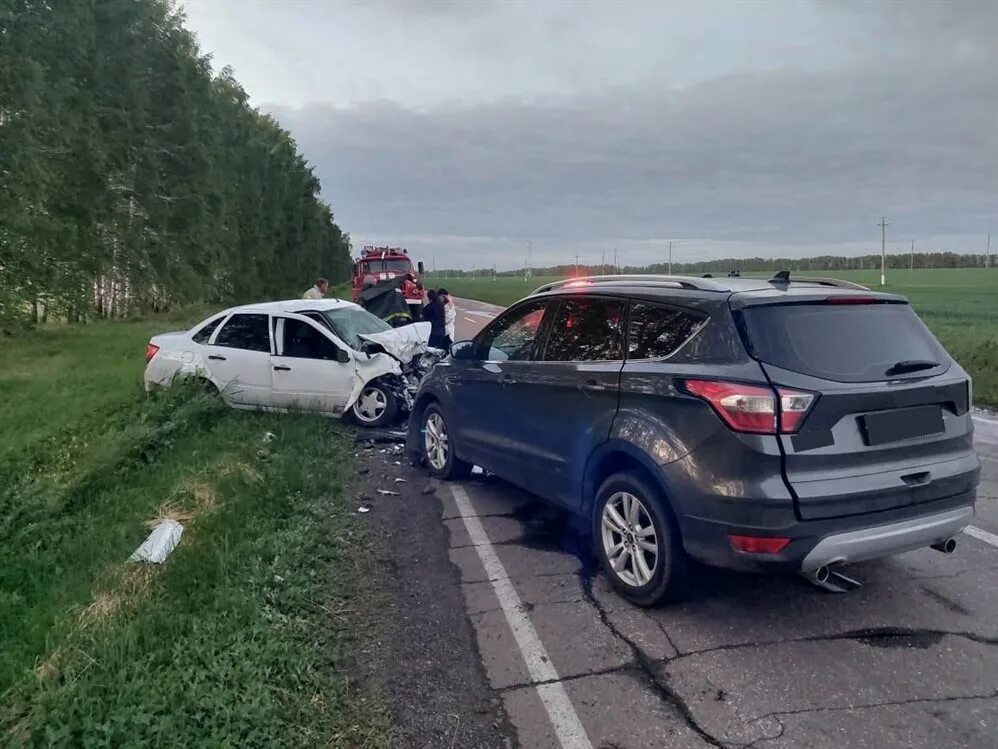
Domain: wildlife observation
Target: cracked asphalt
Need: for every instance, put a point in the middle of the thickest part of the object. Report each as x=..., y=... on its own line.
x=909, y=659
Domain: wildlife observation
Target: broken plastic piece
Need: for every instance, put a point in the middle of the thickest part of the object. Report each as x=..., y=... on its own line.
x=158, y=544
x=363, y=509
x=399, y=481
x=388, y=493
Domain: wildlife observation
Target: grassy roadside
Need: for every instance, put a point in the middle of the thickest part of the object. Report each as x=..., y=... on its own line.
x=960, y=305
x=240, y=638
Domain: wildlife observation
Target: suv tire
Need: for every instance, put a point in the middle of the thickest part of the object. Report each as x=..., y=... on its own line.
x=437, y=447
x=642, y=537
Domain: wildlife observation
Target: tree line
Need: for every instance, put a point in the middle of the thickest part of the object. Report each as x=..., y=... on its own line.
x=747, y=265
x=134, y=178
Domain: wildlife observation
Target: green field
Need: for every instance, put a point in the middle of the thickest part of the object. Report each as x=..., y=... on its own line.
x=238, y=639
x=960, y=305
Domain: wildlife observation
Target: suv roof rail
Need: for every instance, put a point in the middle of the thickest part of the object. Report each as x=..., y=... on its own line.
x=782, y=278
x=682, y=282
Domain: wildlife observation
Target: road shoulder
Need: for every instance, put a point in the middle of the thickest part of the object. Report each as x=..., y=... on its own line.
x=420, y=657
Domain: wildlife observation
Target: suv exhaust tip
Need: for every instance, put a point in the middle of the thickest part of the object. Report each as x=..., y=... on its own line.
x=831, y=580
x=819, y=576
x=946, y=547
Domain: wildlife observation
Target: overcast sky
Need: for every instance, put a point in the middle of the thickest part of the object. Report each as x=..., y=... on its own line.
x=466, y=130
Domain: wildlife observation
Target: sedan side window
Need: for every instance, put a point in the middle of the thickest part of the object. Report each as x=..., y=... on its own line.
x=204, y=335
x=513, y=336
x=656, y=332
x=245, y=331
x=587, y=329
x=302, y=341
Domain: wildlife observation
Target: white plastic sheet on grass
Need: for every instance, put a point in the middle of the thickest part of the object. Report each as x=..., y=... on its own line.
x=158, y=545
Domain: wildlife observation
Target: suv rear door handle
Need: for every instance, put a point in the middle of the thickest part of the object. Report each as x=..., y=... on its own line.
x=507, y=380
x=216, y=357
x=281, y=368
x=593, y=385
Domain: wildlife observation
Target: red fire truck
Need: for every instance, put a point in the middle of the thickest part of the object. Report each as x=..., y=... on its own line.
x=377, y=264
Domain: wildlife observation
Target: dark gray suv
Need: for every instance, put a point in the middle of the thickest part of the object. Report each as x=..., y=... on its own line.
x=789, y=424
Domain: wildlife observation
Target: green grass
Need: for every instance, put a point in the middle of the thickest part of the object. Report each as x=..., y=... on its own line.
x=959, y=305
x=239, y=638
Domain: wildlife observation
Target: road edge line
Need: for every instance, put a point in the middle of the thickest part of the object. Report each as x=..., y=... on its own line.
x=981, y=535
x=564, y=720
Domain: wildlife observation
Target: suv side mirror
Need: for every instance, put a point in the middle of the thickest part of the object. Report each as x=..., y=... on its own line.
x=463, y=350
x=343, y=357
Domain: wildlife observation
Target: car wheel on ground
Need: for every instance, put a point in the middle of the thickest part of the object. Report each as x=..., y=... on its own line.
x=438, y=446
x=638, y=542
x=376, y=406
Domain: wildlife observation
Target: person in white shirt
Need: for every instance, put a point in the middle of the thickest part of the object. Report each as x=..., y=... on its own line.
x=318, y=291
x=450, y=313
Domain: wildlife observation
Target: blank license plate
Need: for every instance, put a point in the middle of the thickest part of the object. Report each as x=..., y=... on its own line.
x=902, y=424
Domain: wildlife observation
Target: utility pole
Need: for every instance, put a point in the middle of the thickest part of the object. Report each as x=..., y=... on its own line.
x=883, y=250
x=615, y=261
x=526, y=268
x=602, y=264
x=576, y=266
x=987, y=254
x=912, y=255
x=670, y=257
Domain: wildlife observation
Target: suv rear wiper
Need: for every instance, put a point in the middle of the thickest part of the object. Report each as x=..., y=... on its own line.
x=910, y=365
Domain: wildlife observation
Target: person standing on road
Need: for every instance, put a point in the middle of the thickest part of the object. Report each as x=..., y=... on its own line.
x=413, y=295
x=450, y=313
x=433, y=313
x=318, y=291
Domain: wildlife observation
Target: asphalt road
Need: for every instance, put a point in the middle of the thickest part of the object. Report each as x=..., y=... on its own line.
x=909, y=659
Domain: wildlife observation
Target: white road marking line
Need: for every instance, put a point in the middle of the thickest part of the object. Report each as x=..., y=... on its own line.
x=468, y=319
x=560, y=710
x=981, y=535
x=985, y=420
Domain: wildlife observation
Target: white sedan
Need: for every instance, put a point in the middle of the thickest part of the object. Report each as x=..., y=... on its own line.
x=328, y=356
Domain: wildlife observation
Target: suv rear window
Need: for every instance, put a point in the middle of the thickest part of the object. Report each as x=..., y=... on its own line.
x=656, y=332
x=587, y=329
x=842, y=342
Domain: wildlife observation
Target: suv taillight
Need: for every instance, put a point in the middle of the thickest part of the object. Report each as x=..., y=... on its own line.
x=753, y=408
x=151, y=350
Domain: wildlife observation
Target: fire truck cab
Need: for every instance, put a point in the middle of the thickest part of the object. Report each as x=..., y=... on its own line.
x=377, y=264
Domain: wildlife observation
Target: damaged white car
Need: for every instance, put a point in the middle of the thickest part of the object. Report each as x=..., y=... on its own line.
x=328, y=356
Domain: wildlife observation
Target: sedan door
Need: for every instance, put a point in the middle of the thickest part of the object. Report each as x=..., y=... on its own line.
x=311, y=370
x=239, y=359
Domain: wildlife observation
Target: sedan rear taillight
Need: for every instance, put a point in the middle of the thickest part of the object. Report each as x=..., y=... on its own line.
x=151, y=350
x=753, y=408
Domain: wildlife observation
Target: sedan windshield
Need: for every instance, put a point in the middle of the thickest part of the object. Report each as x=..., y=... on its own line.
x=349, y=323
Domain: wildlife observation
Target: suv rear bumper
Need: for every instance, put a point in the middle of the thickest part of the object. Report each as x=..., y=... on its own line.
x=818, y=543
x=885, y=540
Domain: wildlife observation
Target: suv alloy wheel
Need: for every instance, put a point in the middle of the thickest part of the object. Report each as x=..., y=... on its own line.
x=637, y=541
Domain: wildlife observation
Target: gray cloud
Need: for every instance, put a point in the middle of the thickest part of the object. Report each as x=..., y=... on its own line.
x=779, y=157
x=793, y=129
